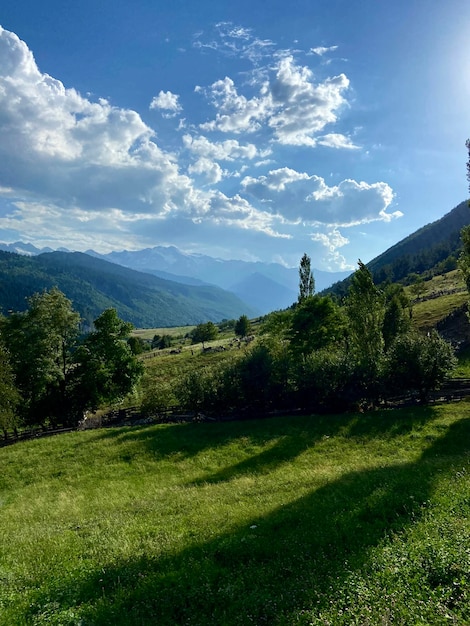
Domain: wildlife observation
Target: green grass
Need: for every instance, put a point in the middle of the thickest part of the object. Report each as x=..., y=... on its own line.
x=174, y=331
x=353, y=519
x=428, y=313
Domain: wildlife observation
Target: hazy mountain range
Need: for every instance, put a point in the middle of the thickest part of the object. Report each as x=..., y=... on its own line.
x=163, y=286
x=94, y=285
x=264, y=287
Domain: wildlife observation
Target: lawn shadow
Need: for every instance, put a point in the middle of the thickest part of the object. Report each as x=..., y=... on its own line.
x=289, y=435
x=295, y=558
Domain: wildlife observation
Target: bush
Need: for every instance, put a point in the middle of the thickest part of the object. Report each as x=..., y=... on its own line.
x=418, y=363
x=329, y=381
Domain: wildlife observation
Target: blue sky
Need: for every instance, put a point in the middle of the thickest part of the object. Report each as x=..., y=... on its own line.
x=251, y=130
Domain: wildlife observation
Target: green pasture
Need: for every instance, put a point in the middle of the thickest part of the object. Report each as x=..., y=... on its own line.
x=335, y=520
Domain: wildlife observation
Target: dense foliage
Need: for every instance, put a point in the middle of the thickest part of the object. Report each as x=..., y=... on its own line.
x=319, y=356
x=58, y=374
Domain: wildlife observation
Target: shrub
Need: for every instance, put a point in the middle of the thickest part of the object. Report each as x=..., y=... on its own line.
x=419, y=363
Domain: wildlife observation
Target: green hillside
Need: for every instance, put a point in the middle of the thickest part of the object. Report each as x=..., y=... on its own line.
x=433, y=248
x=94, y=285
x=426, y=247
x=351, y=519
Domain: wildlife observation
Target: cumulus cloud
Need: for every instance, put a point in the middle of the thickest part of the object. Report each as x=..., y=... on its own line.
x=298, y=196
x=168, y=103
x=207, y=168
x=236, y=113
x=88, y=174
x=228, y=150
x=72, y=152
x=291, y=103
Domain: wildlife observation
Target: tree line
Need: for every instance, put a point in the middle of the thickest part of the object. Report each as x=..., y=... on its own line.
x=51, y=373
x=320, y=355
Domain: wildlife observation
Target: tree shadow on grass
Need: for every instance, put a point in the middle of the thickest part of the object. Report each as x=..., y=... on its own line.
x=295, y=558
x=289, y=436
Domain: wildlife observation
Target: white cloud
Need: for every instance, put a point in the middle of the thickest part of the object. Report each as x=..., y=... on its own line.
x=291, y=104
x=167, y=102
x=207, y=168
x=297, y=196
x=304, y=108
x=337, y=140
x=236, y=112
x=66, y=150
x=321, y=50
x=228, y=150
x=235, y=41
x=87, y=174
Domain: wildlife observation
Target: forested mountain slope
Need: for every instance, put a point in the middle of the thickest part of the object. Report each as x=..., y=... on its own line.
x=94, y=285
x=433, y=244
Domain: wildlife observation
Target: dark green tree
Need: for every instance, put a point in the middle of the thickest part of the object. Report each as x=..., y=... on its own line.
x=317, y=321
x=155, y=342
x=204, y=332
x=41, y=342
x=106, y=370
x=397, y=316
x=278, y=324
x=9, y=395
x=365, y=310
x=242, y=326
x=306, y=280
x=136, y=344
x=464, y=259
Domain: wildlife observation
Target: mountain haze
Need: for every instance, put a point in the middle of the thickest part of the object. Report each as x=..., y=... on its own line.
x=94, y=285
x=264, y=286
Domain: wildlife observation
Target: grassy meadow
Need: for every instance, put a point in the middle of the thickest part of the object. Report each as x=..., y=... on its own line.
x=441, y=295
x=333, y=520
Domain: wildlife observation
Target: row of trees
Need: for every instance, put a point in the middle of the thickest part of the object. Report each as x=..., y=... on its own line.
x=51, y=373
x=322, y=355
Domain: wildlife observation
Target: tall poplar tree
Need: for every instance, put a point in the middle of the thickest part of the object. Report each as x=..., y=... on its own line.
x=365, y=309
x=306, y=280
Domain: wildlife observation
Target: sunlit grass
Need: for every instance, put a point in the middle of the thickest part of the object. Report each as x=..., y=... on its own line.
x=353, y=519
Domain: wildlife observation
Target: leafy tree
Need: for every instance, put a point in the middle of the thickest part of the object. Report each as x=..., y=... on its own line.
x=419, y=363
x=226, y=324
x=9, y=395
x=464, y=259
x=204, y=332
x=365, y=310
x=242, y=326
x=306, y=280
x=106, y=370
x=277, y=324
x=364, y=339
x=41, y=342
x=155, y=342
x=397, y=316
x=136, y=344
x=328, y=380
x=416, y=284
x=165, y=342
x=316, y=322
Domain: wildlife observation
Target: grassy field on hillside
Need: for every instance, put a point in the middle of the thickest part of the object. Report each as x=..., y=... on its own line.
x=352, y=519
x=441, y=295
